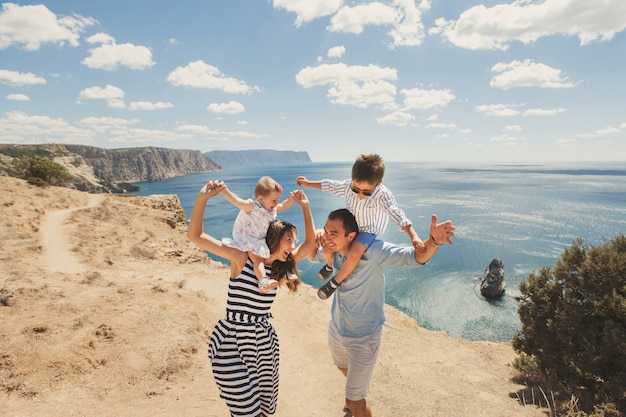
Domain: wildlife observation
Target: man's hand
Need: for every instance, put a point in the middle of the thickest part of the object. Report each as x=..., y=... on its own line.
x=441, y=232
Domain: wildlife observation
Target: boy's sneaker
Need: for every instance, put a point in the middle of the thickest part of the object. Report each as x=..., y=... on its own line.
x=325, y=272
x=267, y=284
x=328, y=289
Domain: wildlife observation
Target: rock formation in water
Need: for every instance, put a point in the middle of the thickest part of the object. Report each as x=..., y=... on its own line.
x=493, y=285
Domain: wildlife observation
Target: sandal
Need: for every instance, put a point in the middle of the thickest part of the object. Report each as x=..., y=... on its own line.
x=267, y=284
x=325, y=272
x=328, y=289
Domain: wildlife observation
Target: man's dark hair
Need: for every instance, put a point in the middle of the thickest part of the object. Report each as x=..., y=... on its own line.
x=347, y=218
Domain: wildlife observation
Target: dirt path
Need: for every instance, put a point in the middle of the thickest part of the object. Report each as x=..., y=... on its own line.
x=57, y=247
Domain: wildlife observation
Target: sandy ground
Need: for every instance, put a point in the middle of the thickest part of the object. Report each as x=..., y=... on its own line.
x=106, y=308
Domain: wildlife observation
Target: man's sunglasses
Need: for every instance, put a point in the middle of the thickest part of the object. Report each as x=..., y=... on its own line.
x=365, y=193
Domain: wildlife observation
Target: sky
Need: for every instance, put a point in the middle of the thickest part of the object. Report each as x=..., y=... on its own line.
x=412, y=80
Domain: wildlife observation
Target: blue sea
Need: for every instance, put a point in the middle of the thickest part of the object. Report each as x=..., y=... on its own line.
x=524, y=215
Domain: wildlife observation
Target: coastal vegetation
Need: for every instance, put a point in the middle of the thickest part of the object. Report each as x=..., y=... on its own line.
x=573, y=334
x=41, y=171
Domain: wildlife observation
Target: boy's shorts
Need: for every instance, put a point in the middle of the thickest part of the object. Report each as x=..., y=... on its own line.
x=365, y=238
x=358, y=355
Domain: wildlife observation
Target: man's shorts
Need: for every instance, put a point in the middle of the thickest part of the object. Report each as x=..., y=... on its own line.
x=358, y=355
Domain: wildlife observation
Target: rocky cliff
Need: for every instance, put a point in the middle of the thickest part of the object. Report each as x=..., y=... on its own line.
x=111, y=170
x=258, y=157
x=143, y=164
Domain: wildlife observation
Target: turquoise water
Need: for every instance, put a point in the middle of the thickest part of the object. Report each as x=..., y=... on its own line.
x=524, y=215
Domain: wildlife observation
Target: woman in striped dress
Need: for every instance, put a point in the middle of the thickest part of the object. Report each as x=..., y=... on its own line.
x=243, y=347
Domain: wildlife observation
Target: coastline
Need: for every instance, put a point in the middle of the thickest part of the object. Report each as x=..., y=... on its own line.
x=106, y=310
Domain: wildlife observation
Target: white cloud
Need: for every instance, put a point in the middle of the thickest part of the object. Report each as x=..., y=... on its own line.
x=396, y=118
x=111, y=56
x=232, y=107
x=202, y=75
x=114, y=96
x=30, y=26
x=543, y=112
x=482, y=27
x=409, y=29
x=336, y=52
x=20, y=78
x=609, y=130
x=218, y=134
x=307, y=10
x=497, y=110
x=103, y=124
x=527, y=74
x=505, y=139
x=143, y=136
x=565, y=142
x=417, y=98
x=111, y=94
x=20, y=127
x=193, y=128
x=357, y=85
x=101, y=38
x=441, y=126
x=404, y=17
x=147, y=105
x=18, y=97
x=354, y=19
x=513, y=128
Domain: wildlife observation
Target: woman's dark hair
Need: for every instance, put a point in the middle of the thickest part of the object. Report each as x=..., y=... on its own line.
x=282, y=270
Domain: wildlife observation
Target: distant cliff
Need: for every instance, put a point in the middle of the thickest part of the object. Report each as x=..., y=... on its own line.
x=110, y=170
x=258, y=157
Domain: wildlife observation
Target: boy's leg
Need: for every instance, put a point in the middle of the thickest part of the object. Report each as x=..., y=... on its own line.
x=354, y=255
x=357, y=249
x=327, y=270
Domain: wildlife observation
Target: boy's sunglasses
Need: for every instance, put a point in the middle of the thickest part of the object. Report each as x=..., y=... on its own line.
x=365, y=193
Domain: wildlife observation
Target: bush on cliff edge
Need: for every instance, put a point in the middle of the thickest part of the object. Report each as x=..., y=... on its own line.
x=574, y=324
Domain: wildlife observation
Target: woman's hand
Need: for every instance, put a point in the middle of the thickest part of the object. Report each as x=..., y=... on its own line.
x=211, y=189
x=209, y=243
x=300, y=197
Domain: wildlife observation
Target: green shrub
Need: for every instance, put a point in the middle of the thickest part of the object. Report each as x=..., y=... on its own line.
x=30, y=167
x=574, y=324
x=37, y=181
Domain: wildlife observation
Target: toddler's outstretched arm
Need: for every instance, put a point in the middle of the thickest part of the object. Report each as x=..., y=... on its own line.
x=235, y=200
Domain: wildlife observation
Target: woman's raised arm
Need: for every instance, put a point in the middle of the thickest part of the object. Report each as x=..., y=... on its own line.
x=196, y=233
x=309, y=227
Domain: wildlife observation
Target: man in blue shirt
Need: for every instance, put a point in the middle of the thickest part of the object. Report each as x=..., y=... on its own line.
x=357, y=312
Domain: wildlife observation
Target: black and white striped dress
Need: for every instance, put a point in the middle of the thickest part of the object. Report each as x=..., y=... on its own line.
x=244, y=348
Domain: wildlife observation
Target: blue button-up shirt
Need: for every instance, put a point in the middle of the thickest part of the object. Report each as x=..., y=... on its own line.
x=358, y=303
